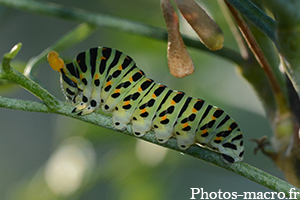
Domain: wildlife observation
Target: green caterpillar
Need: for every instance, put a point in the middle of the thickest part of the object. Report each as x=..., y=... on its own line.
x=108, y=78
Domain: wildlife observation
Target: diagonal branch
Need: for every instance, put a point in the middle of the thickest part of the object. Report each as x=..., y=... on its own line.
x=260, y=57
x=65, y=109
x=13, y=75
x=120, y=24
x=255, y=15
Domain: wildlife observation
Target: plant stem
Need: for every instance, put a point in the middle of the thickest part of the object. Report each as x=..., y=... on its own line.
x=244, y=50
x=252, y=13
x=55, y=106
x=24, y=105
x=260, y=57
x=120, y=24
x=18, y=78
x=78, y=34
x=204, y=154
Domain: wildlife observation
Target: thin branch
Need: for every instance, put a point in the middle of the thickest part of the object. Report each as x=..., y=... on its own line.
x=18, y=78
x=120, y=24
x=104, y=121
x=75, y=36
x=204, y=154
x=61, y=108
x=244, y=50
x=24, y=105
x=260, y=57
x=255, y=15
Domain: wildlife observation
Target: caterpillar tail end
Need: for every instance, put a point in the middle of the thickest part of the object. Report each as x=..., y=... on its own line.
x=55, y=61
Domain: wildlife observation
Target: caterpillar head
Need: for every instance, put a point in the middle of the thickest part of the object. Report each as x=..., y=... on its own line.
x=68, y=81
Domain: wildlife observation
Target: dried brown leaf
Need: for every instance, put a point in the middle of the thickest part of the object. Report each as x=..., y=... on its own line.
x=207, y=29
x=179, y=60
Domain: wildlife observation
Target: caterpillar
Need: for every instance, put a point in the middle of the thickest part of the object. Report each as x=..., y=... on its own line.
x=107, y=78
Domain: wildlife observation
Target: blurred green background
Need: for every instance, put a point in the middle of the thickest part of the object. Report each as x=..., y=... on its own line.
x=46, y=156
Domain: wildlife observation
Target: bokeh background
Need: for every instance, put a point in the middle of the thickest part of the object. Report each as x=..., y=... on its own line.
x=46, y=156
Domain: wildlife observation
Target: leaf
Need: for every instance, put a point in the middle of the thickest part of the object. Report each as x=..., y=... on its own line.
x=179, y=60
x=207, y=29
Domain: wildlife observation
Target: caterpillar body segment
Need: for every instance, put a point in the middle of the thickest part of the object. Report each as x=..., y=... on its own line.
x=144, y=113
x=107, y=78
x=122, y=114
x=166, y=116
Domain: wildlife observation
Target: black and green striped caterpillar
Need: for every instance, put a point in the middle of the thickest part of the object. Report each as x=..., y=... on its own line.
x=108, y=78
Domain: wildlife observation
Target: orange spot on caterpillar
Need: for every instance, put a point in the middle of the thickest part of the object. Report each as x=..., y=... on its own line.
x=126, y=103
x=140, y=89
x=127, y=58
x=204, y=131
x=120, y=67
x=194, y=110
x=173, y=102
x=96, y=76
x=74, y=80
x=102, y=58
x=117, y=91
x=143, y=111
x=154, y=96
x=130, y=79
x=213, y=118
x=163, y=118
x=185, y=124
x=218, y=138
x=81, y=76
x=108, y=83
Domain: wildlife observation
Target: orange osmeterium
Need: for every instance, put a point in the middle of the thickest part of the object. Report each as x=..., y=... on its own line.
x=55, y=61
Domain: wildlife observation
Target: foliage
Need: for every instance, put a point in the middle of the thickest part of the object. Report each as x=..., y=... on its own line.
x=278, y=93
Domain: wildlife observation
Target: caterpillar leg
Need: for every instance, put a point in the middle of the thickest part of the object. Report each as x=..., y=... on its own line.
x=143, y=115
x=166, y=116
x=82, y=108
x=120, y=124
x=125, y=108
x=89, y=98
x=188, y=121
x=232, y=149
x=89, y=107
x=225, y=136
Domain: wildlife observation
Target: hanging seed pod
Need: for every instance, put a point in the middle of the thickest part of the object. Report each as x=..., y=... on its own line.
x=179, y=60
x=207, y=29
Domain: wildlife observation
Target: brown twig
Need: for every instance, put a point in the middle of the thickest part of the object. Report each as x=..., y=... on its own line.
x=244, y=50
x=260, y=57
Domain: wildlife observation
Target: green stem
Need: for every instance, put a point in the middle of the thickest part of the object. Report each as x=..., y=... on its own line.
x=255, y=15
x=58, y=107
x=13, y=75
x=204, y=154
x=75, y=36
x=24, y=105
x=55, y=106
x=120, y=24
